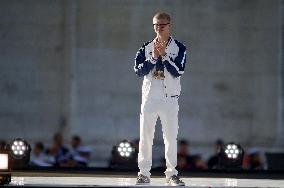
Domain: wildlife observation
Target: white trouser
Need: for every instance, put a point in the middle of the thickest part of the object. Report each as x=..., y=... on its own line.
x=167, y=109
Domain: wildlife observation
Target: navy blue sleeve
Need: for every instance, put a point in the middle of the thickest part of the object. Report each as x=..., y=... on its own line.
x=176, y=66
x=142, y=65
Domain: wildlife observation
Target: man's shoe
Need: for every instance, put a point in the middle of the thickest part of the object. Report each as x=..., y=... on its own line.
x=174, y=181
x=142, y=180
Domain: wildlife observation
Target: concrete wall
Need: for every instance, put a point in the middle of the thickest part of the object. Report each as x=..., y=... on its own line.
x=33, y=84
x=68, y=66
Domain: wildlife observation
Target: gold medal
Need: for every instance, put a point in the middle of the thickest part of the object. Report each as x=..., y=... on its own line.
x=159, y=75
x=155, y=74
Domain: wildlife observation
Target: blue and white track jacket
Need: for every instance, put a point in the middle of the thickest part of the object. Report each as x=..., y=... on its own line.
x=172, y=63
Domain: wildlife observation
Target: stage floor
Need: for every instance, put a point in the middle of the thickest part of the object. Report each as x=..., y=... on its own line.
x=124, y=181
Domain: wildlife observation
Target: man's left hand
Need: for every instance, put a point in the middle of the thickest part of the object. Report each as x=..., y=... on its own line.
x=161, y=47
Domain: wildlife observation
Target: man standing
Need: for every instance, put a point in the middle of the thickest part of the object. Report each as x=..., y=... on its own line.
x=161, y=62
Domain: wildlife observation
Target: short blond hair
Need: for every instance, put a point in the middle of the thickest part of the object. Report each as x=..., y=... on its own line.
x=162, y=15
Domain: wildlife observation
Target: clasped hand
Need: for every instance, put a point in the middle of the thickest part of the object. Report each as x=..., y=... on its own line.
x=159, y=48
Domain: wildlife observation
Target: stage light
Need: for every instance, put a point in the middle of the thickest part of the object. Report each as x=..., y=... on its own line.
x=232, y=151
x=231, y=157
x=124, y=156
x=125, y=149
x=19, y=147
x=5, y=174
x=20, y=153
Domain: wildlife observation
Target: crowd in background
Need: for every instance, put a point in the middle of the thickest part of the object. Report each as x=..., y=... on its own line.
x=59, y=155
x=78, y=155
x=185, y=161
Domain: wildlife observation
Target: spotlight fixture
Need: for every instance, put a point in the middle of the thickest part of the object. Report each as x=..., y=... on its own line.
x=125, y=149
x=5, y=174
x=19, y=148
x=232, y=151
x=124, y=156
x=20, y=153
x=231, y=157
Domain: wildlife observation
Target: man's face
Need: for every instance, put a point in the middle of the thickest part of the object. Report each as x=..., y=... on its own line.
x=161, y=26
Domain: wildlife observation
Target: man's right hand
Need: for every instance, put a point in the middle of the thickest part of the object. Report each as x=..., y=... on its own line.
x=156, y=53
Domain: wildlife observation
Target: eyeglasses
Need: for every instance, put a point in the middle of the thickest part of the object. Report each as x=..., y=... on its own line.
x=159, y=25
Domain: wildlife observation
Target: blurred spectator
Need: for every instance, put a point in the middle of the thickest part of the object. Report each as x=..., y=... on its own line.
x=2, y=144
x=254, y=160
x=245, y=163
x=57, y=150
x=214, y=159
x=78, y=155
x=39, y=157
x=184, y=160
x=198, y=163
